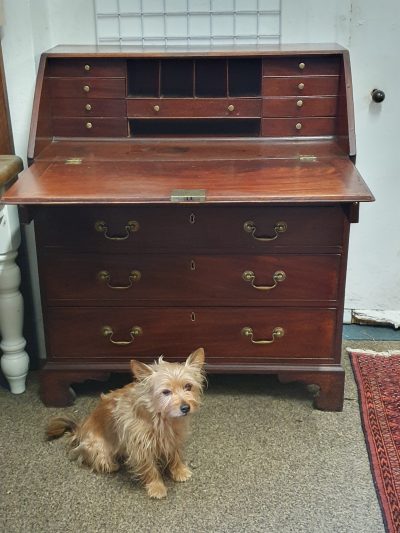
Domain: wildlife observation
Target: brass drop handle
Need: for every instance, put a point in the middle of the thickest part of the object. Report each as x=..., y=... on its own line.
x=107, y=331
x=250, y=227
x=102, y=227
x=299, y=103
x=302, y=66
x=156, y=108
x=277, y=333
x=231, y=107
x=86, y=88
x=300, y=86
x=278, y=277
x=87, y=67
x=105, y=277
x=89, y=125
x=88, y=107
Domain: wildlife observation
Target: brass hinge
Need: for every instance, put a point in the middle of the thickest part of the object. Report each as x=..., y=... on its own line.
x=188, y=195
x=73, y=161
x=308, y=158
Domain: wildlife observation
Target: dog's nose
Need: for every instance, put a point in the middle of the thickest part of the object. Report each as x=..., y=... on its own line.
x=185, y=408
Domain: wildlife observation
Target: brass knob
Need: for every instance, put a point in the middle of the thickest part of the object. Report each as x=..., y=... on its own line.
x=299, y=103
x=231, y=107
x=156, y=108
x=87, y=67
x=299, y=126
x=300, y=86
x=86, y=88
x=89, y=125
x=302, y=66
x=88, y=107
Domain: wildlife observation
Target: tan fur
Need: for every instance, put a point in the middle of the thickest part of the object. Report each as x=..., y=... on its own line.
x=141, y=424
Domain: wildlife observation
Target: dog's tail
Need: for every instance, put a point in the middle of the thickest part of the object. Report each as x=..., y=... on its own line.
x=60, y=425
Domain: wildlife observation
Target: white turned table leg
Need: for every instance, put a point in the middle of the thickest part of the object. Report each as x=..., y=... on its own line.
x=14, y=361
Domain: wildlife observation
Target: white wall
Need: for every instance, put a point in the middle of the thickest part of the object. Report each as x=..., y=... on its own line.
x=316, y=21
x=373, y=36
x=374, y=262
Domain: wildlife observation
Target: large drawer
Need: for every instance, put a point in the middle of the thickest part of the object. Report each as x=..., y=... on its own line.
x=225, y=333
x=183, y=228
x=89, y=87
x=301, y=86
x=165, y=279
x=190, y=107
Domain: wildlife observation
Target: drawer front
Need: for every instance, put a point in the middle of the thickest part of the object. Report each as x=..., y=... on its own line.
x=301, y=86
x=304, y=65
x=299, y=127
x=167, y=279
x=87, y=87
x=87, y=107
x=179, y=228
x=244, y=107
x=90, y=127
x=88, y=67
x=299, y=107
x=121, y=334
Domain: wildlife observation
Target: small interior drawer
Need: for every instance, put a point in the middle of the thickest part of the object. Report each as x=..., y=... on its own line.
x=89, y=67
x=298, y=127
x=301, y=86
x=325, y=106
x=302, y=65
x=90, y=127
x=88, y=107
x=189, y=107
x=118, y=333
x=87, y=87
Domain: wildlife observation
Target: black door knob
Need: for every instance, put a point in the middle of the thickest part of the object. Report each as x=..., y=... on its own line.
x=378, y=95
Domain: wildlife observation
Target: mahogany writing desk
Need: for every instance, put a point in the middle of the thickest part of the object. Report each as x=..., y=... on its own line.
x=187, y=197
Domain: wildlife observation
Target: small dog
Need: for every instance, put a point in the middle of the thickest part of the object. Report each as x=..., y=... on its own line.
x=143, y=424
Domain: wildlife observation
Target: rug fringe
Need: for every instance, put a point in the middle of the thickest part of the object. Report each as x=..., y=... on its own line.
x=387, y=353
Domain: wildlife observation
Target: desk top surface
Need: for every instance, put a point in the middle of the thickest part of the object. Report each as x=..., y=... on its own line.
x=187, y=50
x=69, y=172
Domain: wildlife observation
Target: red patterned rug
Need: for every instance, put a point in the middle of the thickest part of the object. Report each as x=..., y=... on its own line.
x=378, y=380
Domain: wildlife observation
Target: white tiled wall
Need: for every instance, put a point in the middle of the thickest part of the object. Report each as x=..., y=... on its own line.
x=182, y=21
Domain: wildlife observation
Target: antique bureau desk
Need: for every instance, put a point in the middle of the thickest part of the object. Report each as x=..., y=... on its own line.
x=187, y=197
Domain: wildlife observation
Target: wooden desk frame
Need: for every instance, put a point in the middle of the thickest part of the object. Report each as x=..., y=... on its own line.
x=248, y=259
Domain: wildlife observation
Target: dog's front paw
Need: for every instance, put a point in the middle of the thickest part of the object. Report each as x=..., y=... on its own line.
x=181, y=473
x=156, y=489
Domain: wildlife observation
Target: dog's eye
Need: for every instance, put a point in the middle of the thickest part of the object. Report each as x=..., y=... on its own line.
x=188, y=386
x=166, y=392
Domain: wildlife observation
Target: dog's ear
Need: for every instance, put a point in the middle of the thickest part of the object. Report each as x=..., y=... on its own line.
x=196, y=358
x=140, y=370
